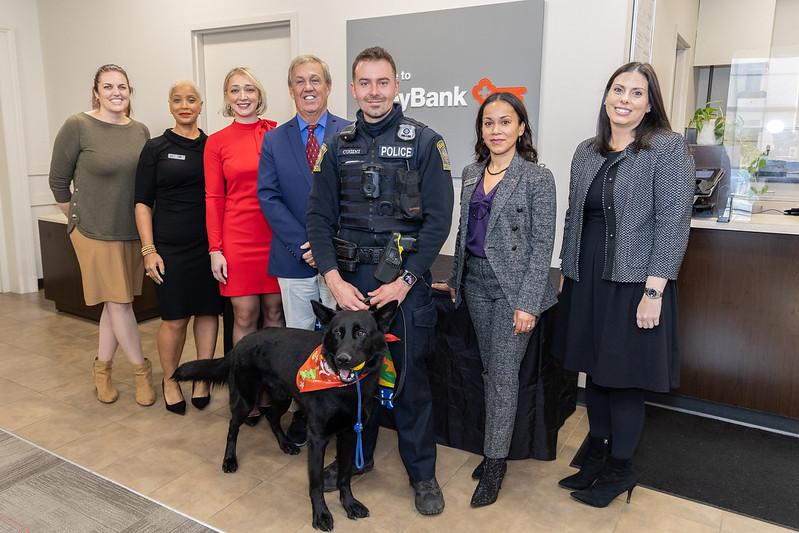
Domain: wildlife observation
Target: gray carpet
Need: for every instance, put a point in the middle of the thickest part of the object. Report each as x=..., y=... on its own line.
x=40, y=492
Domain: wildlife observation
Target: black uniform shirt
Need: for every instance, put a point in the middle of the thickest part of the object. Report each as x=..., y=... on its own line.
x=432, y=162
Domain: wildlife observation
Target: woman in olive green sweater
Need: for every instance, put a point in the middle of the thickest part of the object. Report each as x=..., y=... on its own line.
x=97, y=152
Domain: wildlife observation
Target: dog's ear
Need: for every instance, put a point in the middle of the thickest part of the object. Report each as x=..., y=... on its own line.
x=385, y=315
x=324, y=314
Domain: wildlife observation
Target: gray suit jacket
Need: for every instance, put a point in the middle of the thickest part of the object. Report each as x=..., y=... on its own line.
x=652, y=201
x=520, y=234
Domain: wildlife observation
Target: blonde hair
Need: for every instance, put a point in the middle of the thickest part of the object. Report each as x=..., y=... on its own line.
x=110, y=67
x=193, y=86
x=244, y=71
x=310, y=58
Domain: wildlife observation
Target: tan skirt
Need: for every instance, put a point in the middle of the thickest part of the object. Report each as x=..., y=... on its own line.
x=111, y=271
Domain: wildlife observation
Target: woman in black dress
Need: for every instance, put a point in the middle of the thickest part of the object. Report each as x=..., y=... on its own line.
x=625, y=235
x=170, y=181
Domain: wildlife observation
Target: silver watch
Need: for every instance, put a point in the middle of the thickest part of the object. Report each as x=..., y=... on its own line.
x=652, y=293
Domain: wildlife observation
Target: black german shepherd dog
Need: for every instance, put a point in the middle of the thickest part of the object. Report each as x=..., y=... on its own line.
x=269, y=360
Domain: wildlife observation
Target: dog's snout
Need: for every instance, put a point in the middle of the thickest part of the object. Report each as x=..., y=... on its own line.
x=343, y=358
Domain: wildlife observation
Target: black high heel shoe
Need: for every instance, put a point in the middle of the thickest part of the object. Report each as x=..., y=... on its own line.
x=177, y=408
x=616, y=478
x=598, y=449
x=200, y=402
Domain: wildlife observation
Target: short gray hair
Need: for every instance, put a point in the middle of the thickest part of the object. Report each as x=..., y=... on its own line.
x=193, y=86
x=310, y=58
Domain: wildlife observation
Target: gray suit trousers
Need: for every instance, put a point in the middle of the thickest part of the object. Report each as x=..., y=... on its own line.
x=500, y=350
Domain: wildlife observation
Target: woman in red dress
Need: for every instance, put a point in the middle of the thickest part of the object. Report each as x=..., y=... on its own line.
x=238, y=235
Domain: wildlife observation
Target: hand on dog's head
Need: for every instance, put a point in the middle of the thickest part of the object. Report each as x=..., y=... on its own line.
x=354, y=339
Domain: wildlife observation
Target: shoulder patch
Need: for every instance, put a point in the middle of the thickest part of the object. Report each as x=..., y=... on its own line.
x=446, y=164
x=322, y=151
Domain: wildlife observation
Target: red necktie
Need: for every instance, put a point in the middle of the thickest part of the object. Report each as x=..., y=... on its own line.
x=311, y=147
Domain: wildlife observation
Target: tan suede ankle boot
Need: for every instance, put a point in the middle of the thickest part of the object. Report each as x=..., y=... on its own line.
x=145, y=395
x=106, y=392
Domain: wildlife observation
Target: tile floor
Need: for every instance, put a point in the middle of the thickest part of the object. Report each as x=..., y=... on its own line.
x=47, y=397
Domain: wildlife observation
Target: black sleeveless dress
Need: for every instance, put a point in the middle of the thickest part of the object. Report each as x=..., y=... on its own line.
x=597, y=331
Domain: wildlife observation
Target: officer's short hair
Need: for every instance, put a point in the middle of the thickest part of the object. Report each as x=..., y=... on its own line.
x=310, y=58
x=374, y=53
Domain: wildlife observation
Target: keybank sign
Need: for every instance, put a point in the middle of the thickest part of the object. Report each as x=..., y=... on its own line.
x=421, y=97
x=445, y=73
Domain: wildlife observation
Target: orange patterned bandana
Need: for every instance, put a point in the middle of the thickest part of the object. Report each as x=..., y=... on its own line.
x=316, y=374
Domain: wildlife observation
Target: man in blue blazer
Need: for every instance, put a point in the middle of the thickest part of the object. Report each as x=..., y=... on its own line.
x=284, y=183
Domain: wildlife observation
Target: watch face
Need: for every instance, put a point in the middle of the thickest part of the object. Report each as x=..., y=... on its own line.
x=409, y=278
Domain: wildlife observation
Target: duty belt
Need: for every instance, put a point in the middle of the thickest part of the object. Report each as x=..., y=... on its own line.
x=349, y=254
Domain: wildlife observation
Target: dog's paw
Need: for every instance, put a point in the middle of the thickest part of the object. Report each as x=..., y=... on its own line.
x=290, y=449
x=323, y=520
x=230, y=465
x=355, y=509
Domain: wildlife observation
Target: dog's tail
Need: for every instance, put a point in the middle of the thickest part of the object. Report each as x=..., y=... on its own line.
x=214, y=371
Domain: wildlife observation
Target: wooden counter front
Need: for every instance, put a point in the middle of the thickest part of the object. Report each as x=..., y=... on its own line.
x=739, y=320
x=62, y=282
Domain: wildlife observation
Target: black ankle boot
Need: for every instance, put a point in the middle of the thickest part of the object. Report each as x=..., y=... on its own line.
x=615, y=478
x=592, y=465
x=490, y=482
x=477, y=473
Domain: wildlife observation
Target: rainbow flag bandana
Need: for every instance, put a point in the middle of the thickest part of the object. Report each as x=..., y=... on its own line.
x=315, y=374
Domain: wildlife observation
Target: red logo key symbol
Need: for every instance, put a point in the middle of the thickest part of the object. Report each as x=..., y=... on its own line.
x=485, y=88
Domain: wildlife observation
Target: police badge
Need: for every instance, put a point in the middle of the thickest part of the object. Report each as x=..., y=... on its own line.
x=406, y=132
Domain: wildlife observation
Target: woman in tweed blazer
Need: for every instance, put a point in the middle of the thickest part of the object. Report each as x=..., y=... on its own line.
x=625, y=235
x=502, y=257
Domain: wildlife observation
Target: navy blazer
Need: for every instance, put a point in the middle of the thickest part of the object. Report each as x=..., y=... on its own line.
x=284, y=184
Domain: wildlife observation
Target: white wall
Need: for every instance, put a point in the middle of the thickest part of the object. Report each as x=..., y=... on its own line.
x=21, y=18
x=673, y=18
x=733, y=28
x=584, y=42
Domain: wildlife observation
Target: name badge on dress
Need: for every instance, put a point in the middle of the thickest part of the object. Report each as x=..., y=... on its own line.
x=180, y=157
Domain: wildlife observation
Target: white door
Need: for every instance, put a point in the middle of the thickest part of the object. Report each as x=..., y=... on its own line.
x=264, y=49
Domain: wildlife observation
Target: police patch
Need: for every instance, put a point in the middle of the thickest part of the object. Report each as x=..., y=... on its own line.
x=406, y=132
x=318, y=165
x=392, y=152
x=442, y=151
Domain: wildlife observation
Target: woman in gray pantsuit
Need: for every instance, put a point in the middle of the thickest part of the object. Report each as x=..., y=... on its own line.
x=502, y=258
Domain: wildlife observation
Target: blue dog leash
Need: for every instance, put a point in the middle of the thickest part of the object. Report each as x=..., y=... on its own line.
x=358, y=428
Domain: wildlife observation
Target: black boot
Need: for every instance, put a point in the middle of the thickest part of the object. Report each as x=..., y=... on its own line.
x=592, y=465
x=616, y=477
x=490, y=482
x=477, y=473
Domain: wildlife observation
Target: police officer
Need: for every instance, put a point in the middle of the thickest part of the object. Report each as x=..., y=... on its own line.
x=387, y=173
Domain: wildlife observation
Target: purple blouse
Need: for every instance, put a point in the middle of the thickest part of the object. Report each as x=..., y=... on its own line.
x=479, y=211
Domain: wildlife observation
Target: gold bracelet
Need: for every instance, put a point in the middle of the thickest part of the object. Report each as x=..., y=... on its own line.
x=147, y=250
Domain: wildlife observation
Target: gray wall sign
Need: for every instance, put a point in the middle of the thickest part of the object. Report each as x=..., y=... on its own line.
x=449, y=61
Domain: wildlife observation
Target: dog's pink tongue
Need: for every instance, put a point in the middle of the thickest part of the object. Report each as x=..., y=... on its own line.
x=345, y=374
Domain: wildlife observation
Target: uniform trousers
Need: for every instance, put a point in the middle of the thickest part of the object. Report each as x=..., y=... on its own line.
x=500, y=351
x=414, y=324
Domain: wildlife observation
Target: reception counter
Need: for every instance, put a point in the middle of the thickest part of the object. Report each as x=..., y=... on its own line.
x=62, y=282
x=739, y=314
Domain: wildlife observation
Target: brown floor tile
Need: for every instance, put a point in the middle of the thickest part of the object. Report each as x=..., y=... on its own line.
x=735, y=523
x=67, y=425
x=266, y=508
x=151, y=468
x=102, y=447
x=204, y=490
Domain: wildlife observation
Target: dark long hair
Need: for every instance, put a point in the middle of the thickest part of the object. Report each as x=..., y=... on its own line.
x=524, y=144
x=654, y=120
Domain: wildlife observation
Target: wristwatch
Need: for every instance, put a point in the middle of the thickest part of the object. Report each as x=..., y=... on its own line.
x=407, y=277
x=652, y=294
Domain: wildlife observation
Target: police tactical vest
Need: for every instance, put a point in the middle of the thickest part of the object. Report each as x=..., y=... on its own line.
x=380, y=182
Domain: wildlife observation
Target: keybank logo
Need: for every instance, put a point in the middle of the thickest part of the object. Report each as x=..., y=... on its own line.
x=421, y=97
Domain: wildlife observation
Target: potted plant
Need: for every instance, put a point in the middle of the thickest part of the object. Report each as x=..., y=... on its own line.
x=703, y=118
x=754, y=168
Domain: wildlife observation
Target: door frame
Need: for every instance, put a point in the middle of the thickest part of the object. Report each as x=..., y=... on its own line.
x=197, y=32
x=17, y=262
